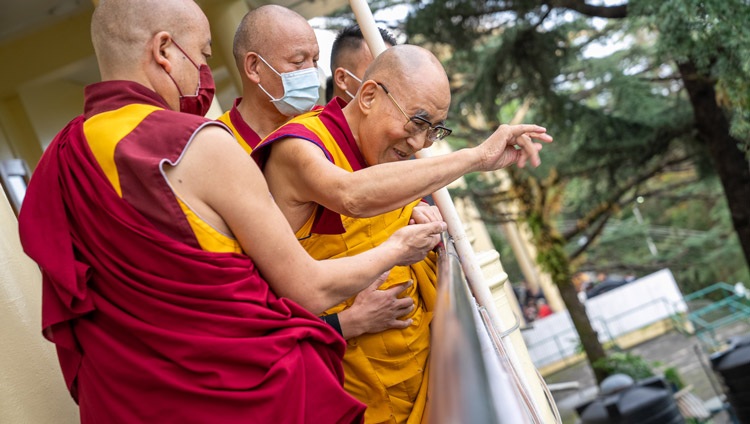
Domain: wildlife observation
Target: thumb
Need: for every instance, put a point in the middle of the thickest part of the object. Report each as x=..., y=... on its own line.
x=399, y=288
x=379, y=281
x=437, y=227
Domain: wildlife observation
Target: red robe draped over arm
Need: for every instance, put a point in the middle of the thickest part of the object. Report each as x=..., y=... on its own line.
x=149, y=329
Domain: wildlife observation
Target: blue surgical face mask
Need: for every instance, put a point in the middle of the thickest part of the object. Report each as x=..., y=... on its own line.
x=301, y=90
x=355, y=78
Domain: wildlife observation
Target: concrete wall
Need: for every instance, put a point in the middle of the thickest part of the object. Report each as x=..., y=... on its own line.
x=32, y=389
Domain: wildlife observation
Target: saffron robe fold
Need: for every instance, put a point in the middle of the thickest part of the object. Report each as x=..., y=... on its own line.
x=152, y=329
x=388, y=371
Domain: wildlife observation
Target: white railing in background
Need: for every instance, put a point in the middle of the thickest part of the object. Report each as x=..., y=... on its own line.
x=628, y=308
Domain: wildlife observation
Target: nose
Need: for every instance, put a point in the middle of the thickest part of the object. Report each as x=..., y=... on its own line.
x=418, y=141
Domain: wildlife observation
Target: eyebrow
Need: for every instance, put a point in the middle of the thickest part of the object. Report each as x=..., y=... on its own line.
x=423, y=114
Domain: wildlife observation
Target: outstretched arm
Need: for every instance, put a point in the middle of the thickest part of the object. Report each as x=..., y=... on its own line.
x=216, y=177
x=298, y=172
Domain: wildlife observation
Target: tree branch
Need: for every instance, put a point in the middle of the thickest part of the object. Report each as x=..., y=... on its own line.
x=580, y=6
x=614, y=200
x=590, y=239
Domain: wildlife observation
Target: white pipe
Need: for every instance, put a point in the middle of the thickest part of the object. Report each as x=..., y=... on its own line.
x=367, y=25
x=448, y=210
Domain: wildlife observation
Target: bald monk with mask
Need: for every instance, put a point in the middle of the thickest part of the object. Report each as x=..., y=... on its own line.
x=343, y=178
x=276, y=53
x=173, y=287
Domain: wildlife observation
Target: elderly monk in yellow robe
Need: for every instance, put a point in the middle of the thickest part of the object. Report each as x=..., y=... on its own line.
x=343, y=178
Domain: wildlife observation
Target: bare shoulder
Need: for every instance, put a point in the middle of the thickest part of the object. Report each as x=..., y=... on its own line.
x=295, y=151
x=215, y=159
x=214, y=140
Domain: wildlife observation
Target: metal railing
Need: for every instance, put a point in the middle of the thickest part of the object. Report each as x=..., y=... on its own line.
x=472, y=378
x=459, y=383
x=723, y=306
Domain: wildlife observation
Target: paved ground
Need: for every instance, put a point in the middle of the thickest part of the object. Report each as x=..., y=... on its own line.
x=672, y=349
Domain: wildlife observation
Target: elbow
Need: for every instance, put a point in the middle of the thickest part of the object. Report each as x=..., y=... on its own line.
x=313, y=304
x=355, y=206
x=317, y=301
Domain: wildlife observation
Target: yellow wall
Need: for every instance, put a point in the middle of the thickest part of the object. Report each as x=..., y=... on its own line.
x=32, y=389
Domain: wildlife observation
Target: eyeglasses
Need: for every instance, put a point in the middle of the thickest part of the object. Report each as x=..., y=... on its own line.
x=416, y=124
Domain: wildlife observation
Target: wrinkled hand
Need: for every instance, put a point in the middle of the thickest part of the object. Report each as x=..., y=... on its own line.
x=424, y=213
x=415, y=241
x=376, y=310
x=499, y=150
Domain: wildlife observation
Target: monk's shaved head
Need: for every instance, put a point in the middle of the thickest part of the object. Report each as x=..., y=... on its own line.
x=409, y=67
x=259, y=29
x=121, y=29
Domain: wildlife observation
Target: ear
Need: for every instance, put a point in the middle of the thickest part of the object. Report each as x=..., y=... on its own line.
x=339, y=77
x=250, y=67
x=159, y=43
x=367, y=93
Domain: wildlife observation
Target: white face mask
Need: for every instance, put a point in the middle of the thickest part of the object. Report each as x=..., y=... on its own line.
x=353, y=76
x=301, y=90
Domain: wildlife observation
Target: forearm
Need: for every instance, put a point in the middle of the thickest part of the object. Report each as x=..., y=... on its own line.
x=385, y=187
x=340, y=279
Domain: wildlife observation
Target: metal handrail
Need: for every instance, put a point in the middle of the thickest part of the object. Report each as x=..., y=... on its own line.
x=460, y=390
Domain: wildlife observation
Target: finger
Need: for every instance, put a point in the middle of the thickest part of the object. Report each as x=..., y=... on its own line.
x=523, y=141
x=403, y=305
x=400, y=324
x=399, y=288
x=534, y=157
x=522, y=156
x=434, y=213
x=404, y=312
x=517, y=130
x=530, y=153
x=541, y=137
x=379, y=281
x=437, y=227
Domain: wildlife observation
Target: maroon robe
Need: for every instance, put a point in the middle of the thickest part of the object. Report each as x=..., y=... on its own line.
x=151, y=329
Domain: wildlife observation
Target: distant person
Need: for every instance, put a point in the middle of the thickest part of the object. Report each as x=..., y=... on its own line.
x=350, y=57
x=543, y=309
x=530, y=310
x=343, y=178
x=173, y=288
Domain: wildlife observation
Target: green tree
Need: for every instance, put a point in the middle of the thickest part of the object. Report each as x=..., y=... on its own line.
x=645, y=99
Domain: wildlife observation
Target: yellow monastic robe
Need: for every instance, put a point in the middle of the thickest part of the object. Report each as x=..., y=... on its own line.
x=388, y=371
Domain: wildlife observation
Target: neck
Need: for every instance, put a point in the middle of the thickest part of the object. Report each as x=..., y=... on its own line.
x=352, y=115
x=259, y=113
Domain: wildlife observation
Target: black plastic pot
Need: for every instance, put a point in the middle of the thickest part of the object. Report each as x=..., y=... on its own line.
x=733, y=365
x=649, y=401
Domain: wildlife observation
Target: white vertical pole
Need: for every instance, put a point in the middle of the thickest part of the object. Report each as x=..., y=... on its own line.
x=448, y=210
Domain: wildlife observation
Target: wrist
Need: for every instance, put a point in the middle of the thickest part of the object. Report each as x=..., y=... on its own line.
x=392, y=254
x=475, y=158
x=348, y=324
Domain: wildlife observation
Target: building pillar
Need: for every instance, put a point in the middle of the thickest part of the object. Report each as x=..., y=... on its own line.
x=18, y=131
x=224, y=18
